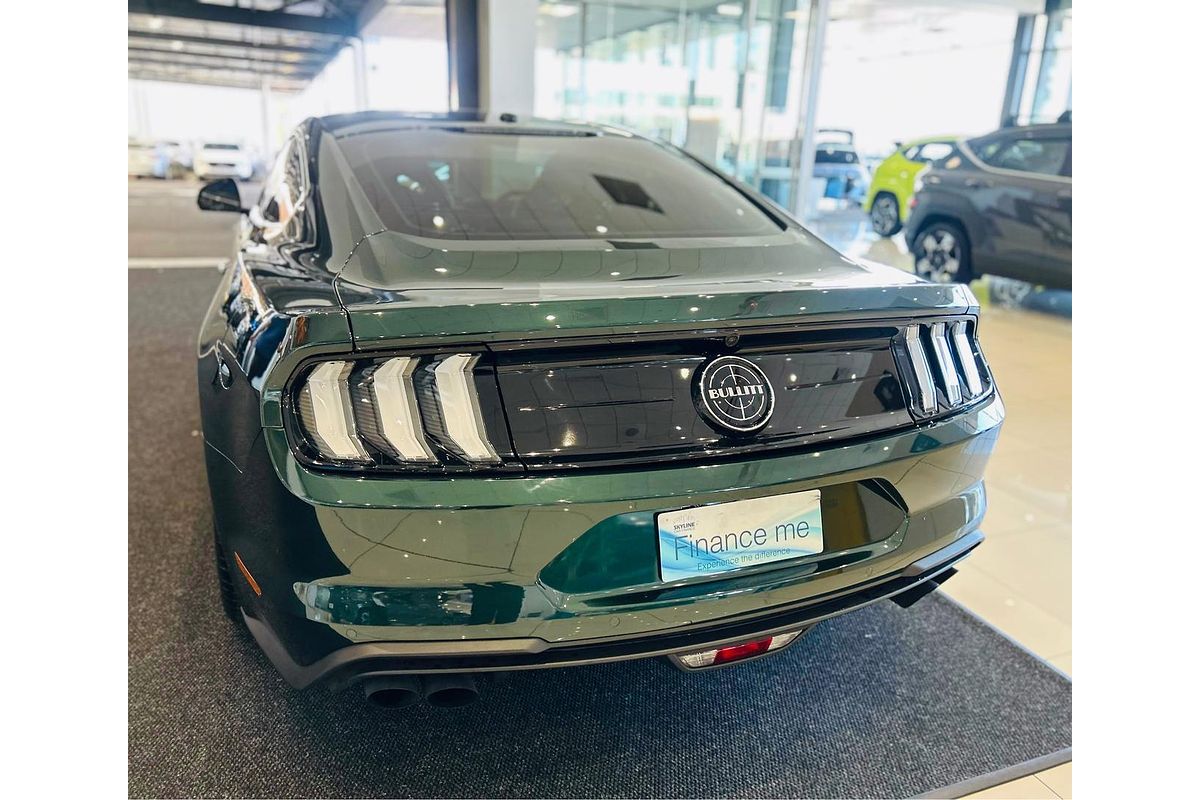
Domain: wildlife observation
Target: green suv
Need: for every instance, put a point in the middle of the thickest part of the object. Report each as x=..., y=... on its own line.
x=889, y=197
x=484, y=396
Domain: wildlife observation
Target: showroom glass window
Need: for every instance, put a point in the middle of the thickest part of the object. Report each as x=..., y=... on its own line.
x=721, y=80
x=455, y=184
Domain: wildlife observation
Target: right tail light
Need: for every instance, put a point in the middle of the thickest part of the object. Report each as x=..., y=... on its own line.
x=943, y=367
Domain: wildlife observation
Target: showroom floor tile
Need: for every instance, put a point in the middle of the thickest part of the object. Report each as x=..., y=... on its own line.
x=1028, y=788
x=1020, y=578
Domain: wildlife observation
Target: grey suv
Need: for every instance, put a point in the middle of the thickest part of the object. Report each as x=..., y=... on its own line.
x=997, y=205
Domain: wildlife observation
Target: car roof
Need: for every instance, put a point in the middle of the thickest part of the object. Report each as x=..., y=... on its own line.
x=368, y=121
x=929, y=140
x=1047, y=128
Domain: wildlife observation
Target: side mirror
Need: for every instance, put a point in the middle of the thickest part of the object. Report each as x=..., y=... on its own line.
x=220, y=195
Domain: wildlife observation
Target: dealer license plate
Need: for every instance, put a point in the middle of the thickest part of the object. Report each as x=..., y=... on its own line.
x=709, y=540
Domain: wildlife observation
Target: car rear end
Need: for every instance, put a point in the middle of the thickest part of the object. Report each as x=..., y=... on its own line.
x=222, y=161
x=145, y=160
x=512, y=454
x=839, y=166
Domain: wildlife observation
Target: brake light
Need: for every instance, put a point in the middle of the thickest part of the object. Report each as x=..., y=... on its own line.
x=737, y=652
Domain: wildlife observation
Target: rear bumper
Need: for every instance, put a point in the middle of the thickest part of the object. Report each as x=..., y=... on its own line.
x=356, y=662
x=446, y=574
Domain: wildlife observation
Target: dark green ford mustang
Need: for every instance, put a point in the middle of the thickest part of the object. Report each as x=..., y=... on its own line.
x=488, y=396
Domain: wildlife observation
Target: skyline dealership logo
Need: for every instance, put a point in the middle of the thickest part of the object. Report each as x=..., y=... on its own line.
x=734, y=394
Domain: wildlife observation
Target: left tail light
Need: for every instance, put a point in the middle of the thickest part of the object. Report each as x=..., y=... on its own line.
x=417, y=411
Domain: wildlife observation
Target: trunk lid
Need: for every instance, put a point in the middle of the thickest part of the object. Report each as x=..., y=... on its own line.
x=397, y=287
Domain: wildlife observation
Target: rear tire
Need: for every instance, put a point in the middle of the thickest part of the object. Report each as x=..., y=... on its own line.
x=942, y=253
x=885, y=215
x=229, y=601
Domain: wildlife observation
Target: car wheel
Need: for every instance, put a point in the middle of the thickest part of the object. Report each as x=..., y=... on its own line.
x=885, y=215
x=942, y=253
x=229, y=601
x=1008, y=292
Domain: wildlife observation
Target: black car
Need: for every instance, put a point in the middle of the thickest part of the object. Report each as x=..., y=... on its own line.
x=997, y=205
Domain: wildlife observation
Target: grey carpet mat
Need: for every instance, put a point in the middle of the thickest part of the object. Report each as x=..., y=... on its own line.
x=879, y=703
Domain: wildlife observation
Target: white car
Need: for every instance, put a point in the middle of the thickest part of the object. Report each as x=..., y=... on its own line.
x=146, y=160
x=222, y=160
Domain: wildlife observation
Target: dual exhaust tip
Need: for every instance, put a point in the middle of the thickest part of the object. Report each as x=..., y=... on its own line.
x=440, y=691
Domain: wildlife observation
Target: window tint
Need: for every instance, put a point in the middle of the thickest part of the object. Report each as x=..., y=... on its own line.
x=454, y=184
x=1041, y=156
x=934, y=151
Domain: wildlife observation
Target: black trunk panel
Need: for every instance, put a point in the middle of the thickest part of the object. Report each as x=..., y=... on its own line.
x=603, y=403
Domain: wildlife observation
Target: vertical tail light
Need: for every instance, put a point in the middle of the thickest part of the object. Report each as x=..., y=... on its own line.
x=966, y=357
x=462, y=423
x=399, y=430
x=926, y=397
x=326, y=411
x=946, y=366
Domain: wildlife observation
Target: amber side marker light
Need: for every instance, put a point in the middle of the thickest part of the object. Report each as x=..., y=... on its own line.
x=246, y=574
x=735, y=652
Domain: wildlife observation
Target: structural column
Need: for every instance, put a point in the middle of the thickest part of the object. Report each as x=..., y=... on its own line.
x=462, y=50
x=1017, y=67
x=268, y=116
x=507, y=42
x=362, y=100
x=806, y=129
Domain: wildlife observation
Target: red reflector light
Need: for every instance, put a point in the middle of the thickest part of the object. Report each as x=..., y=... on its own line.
x=739, y=651
x=700, y=659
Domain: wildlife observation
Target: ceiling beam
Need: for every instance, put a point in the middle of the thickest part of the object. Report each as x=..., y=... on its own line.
x=228, y=82
x=250, y=68
x=232, y=15
x=247, y=54
x=279, y=48
x=209, y=72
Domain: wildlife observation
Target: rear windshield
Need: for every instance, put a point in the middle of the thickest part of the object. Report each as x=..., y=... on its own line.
x=835, y=155
x=449, y=184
